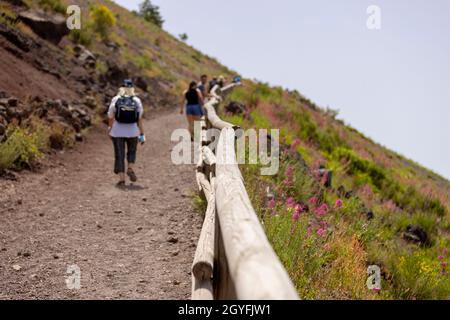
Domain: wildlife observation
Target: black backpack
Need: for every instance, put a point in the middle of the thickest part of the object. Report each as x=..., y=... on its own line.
x=127, y=110
x=212, y=84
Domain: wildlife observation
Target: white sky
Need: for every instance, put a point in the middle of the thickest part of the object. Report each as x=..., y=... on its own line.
x=392, y=84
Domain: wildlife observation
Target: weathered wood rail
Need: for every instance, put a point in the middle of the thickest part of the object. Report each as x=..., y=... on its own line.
x=234, y=259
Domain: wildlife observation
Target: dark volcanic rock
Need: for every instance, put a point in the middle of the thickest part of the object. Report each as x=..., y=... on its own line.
x=15, y=38
x=56, y=142
x=235, y=108
x=90, y=102
x=49, y=27
x=141, y=83
x=19, y=3
x=415, y=234
x=115, y=75
x=114, y=46
x=87, y=58
x=12, y=102
x=78, y=137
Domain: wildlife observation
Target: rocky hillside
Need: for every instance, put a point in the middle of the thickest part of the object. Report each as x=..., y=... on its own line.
x=340, y=203
x=63, y=81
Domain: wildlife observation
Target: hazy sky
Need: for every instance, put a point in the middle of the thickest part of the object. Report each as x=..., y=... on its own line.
x=392, y=84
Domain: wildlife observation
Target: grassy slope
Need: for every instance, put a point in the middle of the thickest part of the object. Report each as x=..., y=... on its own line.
x=153, y=51
x=327, y=249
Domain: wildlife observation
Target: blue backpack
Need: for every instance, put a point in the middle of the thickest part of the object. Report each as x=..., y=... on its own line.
x=127, y=110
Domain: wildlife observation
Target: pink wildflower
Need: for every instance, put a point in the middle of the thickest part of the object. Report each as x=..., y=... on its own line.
x=290, y=202
x=338, y=204
x=271, y=204
x=299, y=208
x=321, y=232
x=296, y=216
x=313, y=200
x=322, y=210
x=290, y=172
x=295, y=144
x=441, y=258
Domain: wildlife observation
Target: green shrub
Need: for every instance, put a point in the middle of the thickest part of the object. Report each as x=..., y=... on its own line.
x=41, y=133
x=150, y=13
x=260, y=121
x=19, y=150
x=143, y=62
x=101, y=67
x=102, y=20
x=8, y=17
x=418, y=276
x=53, y=5
x=199, y=202
x=184, y=37
x=81, y=36
x=326, y=140
x=367, y=171
x=308, y=130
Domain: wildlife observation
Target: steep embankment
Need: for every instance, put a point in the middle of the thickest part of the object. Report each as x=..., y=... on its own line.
x=341, y=203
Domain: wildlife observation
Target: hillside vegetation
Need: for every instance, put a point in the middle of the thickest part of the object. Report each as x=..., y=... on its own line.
x=380, y=209
x=377, y=207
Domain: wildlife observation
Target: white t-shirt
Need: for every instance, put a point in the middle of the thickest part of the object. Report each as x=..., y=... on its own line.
x=124, y=130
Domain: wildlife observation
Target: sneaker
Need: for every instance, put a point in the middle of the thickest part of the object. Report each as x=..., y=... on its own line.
x=120, y=184
x=132, y=175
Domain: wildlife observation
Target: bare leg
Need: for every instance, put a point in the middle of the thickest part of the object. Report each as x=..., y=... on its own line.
x=191, y=124
x=194, y=119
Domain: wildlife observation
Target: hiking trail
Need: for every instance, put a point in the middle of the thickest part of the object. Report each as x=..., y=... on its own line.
x=136, y=243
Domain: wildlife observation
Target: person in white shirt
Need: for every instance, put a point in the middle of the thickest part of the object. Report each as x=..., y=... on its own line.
x=126, y=129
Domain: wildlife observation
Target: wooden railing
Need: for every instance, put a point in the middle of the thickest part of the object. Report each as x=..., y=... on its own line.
x=234, y=259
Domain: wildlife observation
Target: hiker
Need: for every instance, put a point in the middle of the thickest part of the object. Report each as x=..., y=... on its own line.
x=216, y=81
x=202, y=86
x=193, y=99
x=126, y=130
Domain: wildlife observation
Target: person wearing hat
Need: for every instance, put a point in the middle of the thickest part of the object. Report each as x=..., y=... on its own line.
x=126, y=130
x=220, y=81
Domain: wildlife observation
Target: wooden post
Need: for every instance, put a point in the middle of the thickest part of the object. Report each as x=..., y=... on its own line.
x=256, y=271
x=234, y=259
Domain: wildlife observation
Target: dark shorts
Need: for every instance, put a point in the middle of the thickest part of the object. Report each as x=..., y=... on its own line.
x=122, y=147
x=194, y=110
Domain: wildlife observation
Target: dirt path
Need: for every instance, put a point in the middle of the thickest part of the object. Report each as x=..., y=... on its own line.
x=73, y=215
